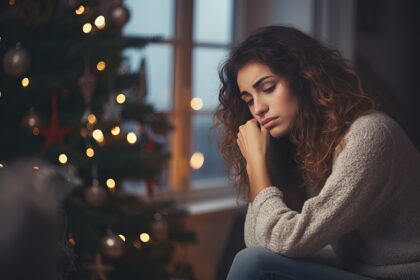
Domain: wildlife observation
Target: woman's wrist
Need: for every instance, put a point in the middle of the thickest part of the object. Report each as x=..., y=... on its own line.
x=258, y=179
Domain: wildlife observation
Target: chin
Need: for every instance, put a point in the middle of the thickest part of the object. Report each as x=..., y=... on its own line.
x=278, y=131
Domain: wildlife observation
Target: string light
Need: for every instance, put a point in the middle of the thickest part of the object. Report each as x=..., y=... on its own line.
x=144, y=237
x=120, y=98
x=91, y=118
x=101, y=65
x=1, y=165
x=25, y=82
x=98, y=135
x=115, y=130
x=196, y=103
x=100, y=22
x=87, y=27
x=35, y=131
x=131, y=138
x=0, y=93
x=197, y=160
x=90, y=152
x=80, y=10
x=110, y=183
x=122, y=237
x=62, y=158
x=35, y=167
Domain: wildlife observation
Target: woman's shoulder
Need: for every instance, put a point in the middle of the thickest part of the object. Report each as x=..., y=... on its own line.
x=372, y=129
x=375, y=122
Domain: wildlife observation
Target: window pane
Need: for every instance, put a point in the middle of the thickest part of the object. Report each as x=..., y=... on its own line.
x=205, y=78
x=150, y=18
x=213, y=21
x=206, y=142
x=159, y=72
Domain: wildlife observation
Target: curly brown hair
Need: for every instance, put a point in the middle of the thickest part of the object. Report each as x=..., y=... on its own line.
x=330, y=95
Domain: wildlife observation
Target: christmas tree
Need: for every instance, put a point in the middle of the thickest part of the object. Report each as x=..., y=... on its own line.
x=67, y=97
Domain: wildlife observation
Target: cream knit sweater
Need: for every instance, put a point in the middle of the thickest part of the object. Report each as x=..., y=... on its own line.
x=368, y=209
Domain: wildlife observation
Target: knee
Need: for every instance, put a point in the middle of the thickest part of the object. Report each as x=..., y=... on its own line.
x=252, y=256
x=250, y=260
x=247, y=263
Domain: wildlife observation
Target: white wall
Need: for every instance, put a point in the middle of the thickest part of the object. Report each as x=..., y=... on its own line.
x=330, y=21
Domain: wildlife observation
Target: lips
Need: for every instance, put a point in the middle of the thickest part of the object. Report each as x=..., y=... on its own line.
x=266, y=123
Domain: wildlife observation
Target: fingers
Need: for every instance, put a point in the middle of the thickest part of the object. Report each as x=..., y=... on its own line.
x=265, y=131
x=240, y=146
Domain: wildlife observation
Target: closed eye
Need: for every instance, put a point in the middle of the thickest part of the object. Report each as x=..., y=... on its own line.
x=249, y=102
x=270, y=89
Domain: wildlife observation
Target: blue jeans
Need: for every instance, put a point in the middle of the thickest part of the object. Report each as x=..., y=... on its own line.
x=258, y=263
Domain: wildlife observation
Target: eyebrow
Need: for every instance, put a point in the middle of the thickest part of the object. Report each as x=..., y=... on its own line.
x=256, y=84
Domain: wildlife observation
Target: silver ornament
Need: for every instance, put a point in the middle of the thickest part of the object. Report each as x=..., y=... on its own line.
x=16, y=61
x=95, y=195
x=87, y=85
x=112, y=246
x=120, y=15
x=31, y=120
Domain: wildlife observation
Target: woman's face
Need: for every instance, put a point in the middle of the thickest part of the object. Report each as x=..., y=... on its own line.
x=268, y=98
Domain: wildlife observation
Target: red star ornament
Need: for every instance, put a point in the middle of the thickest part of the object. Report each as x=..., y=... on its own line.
x=54, y=133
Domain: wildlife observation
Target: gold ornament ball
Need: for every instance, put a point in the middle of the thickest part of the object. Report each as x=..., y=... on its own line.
x=112, y=246
x=160, y=230
x=120, y=15
x=16, y=62
x=95, y=195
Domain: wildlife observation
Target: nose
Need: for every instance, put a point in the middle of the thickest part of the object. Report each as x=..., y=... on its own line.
x=260, y=106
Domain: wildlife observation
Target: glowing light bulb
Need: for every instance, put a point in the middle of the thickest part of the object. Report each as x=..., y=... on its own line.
x=115, y=130
x=80, y=10
x=197, y=160
x=25, y=82
x=87, y=27
x=122, y=237
x=131, y=138
x=100, y=22
x=101, y=65
x=91, y=118
x=144, y=237
x=196, y=103
x=90, y=152
x=62, y=158
x=98, y=135
x=120, y=98
x=110, y=183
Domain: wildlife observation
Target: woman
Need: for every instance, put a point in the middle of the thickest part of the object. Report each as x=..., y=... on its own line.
x=318, y=163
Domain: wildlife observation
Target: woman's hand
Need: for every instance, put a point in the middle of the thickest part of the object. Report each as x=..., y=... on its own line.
x=253, y=142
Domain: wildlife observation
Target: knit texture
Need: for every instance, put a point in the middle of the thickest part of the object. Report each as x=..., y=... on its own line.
x=368, y=209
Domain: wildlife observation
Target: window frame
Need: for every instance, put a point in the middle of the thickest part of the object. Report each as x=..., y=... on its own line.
x=181, y=142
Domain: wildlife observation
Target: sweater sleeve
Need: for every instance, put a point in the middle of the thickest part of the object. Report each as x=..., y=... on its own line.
x=355, y=190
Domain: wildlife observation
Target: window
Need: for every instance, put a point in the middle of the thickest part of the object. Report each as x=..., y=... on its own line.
x=197, y=36
x=212, y=36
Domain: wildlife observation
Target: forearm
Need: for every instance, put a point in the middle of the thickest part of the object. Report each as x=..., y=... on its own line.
x=258, y=179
